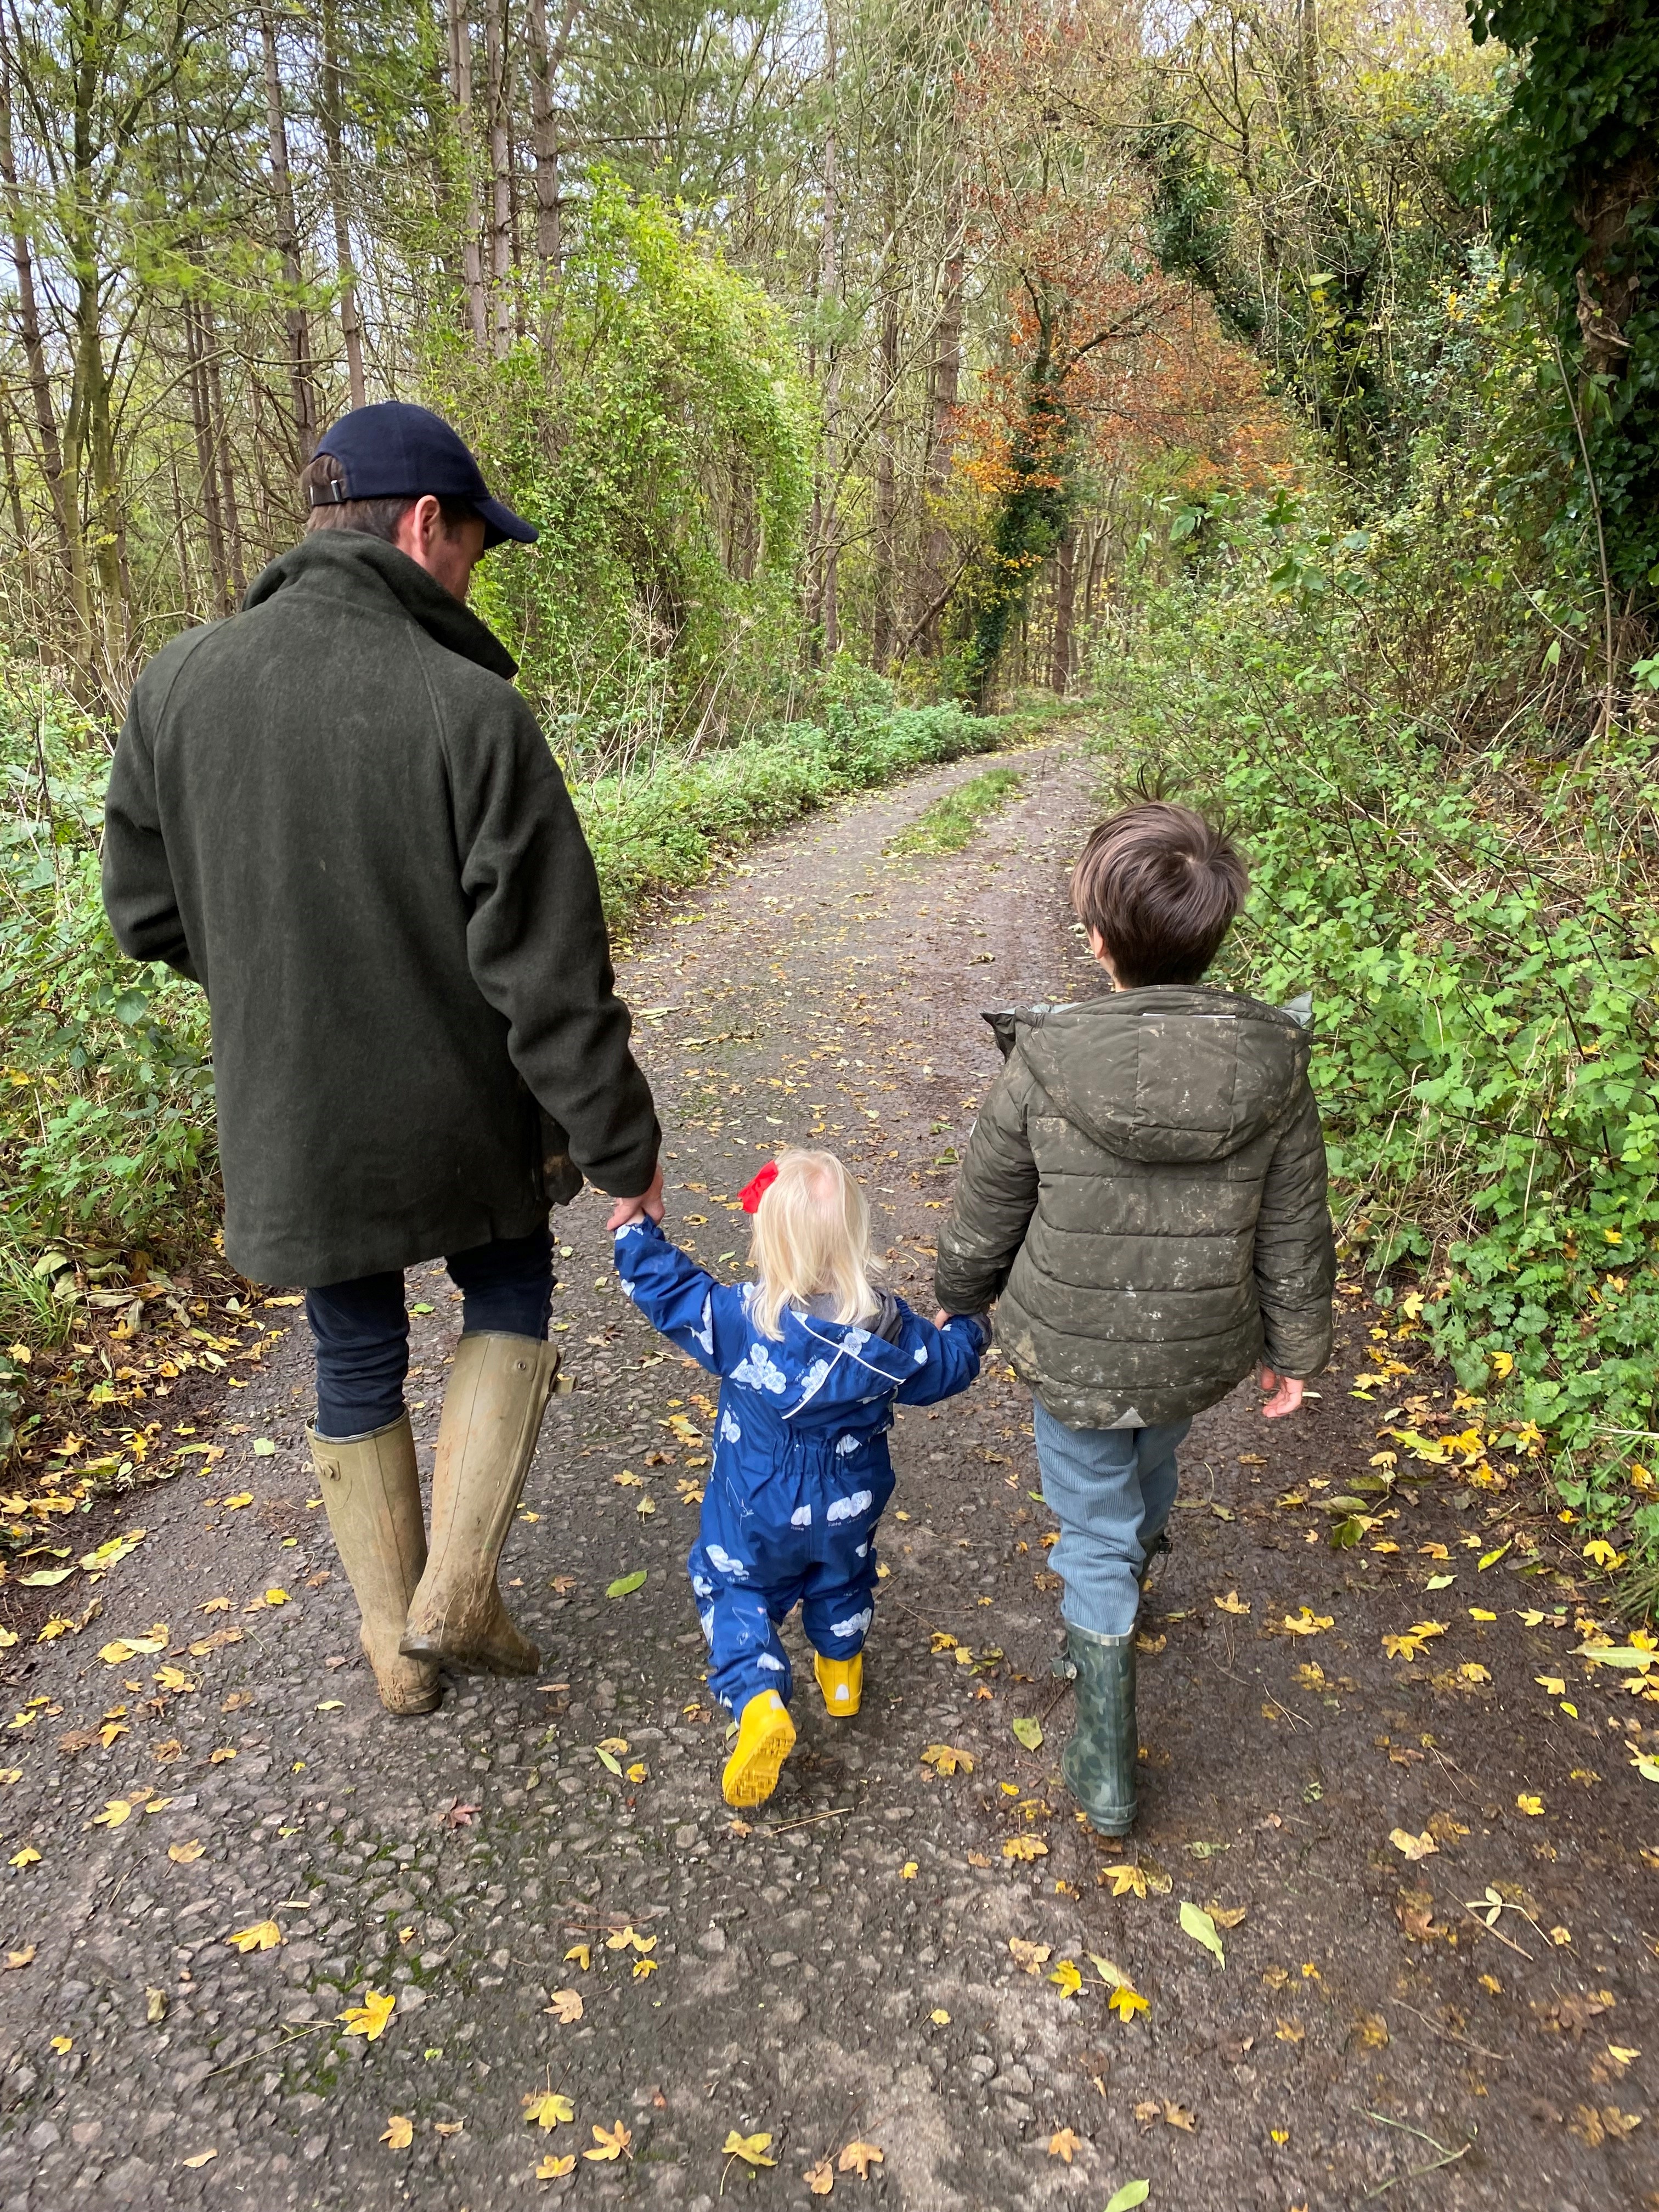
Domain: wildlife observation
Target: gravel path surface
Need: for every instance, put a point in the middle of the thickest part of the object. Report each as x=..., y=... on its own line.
x=543, y=1872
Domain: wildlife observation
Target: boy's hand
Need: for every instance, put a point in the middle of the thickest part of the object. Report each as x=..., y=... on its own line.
x=635, y=1209
x=1285, y=1395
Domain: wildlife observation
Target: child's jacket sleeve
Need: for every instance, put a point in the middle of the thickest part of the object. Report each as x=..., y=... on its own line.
x=1295, y=1251
x=680, y=1298
x=996, y=1196
x=952, y=1356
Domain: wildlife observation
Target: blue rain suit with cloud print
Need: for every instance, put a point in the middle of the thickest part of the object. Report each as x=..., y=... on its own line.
x=800, y=1469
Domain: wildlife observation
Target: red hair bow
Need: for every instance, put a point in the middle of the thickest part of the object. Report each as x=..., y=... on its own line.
x=752, y=1193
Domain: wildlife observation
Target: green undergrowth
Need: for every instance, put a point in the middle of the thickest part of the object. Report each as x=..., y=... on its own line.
x=106, y=1139
x=952, y=822
x=1478, y=924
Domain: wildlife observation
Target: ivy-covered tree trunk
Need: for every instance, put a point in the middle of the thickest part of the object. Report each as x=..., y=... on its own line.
x=1036, y=504
x=1572, y=169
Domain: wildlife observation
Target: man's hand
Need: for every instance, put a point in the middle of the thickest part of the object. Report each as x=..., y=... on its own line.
x=650, y=1202
x=1285, y=1395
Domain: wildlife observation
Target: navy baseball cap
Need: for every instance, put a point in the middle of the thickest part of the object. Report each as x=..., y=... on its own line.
x=395, y=451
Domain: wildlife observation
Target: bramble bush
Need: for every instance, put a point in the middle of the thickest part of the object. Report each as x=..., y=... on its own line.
x=1480, y=927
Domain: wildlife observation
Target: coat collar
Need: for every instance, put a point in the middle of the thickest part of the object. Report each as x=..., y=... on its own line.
x=349, y=563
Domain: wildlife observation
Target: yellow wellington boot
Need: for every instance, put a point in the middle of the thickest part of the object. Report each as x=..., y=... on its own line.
x=493, y=1409
x=766, y=1736
x=372, y=1489
x=841, y=1681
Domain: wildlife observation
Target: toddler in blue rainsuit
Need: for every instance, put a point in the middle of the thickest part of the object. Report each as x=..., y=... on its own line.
x=812, y=1360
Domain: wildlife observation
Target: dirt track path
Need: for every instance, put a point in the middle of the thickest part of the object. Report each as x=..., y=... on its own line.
x=842, y=1971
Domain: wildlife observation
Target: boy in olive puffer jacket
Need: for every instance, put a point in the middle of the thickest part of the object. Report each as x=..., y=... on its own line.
x=1143, y=1196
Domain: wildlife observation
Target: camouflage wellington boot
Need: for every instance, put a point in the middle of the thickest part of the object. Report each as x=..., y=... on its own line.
x=1100, y=1760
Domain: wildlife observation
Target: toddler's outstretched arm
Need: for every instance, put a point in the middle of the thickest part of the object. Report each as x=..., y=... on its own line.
x=682, y=1299
x=953, y=1349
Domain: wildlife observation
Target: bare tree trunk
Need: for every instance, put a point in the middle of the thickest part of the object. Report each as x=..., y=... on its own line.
x=885, y=620
x=945, y=383
x=501, y=178
x=351, y=326
x=15, y=489
x=49, y=451
x=206, y=462
x=829, y=587
x=238, y=557
x=460, y=86
x=303, y=383
x=1060, y=666
x=546, y=59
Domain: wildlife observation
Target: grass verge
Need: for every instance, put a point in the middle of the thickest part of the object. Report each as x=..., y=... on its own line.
x=951, y=822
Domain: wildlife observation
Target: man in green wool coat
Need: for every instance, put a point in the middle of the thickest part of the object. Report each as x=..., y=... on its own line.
x=334, y=813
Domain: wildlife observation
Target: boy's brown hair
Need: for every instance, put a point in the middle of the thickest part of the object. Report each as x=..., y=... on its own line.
x=1161, y=885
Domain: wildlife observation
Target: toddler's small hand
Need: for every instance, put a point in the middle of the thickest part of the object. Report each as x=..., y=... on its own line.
x=635, y=1209
x=1285, y=1395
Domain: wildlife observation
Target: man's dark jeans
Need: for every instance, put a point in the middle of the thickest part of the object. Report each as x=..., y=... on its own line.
x=361, y=1326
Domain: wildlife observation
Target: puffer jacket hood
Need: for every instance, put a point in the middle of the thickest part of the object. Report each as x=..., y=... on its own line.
x=1170, y=1073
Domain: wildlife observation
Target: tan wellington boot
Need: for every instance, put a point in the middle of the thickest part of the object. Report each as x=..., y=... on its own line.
x=498, y=1391
x=372, y=1488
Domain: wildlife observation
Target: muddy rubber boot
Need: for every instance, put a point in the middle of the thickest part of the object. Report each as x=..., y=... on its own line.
x=493, y=1407
x=1100, y=1762
x=372, y=1489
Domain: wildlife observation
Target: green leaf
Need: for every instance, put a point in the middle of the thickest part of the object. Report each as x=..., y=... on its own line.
x=625, y=1585
x=608, y=1759
x=421, y=1309
x=264, y=1448
x=1030, y=1733
x=45, y=1577
x=1131, y=2194
x=1198, y=1925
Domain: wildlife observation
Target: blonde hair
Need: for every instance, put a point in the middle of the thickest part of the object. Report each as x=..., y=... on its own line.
x=811, y=1239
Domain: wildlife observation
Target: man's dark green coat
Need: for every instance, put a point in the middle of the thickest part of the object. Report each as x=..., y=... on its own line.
x=335, y=813
x=1144, y=1194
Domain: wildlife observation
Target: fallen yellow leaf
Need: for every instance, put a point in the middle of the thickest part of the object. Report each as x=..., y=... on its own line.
x=566, y=2007
x=1064, y=2144
x=751, y=2149
x=399, y=2132
x=609, y=2143
x=263, y=1936
x=1528, y=1804
x=1412, y=1847
x=555, y=2169
x=1066, y=1977
x=116, y=1810
x=185, y=1854
x=369, y=2018
x=859, y=2158
x=545, y=2108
